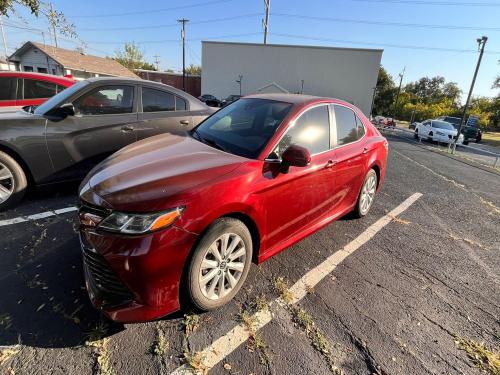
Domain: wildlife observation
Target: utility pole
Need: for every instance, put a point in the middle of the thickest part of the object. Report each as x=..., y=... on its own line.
x=267, y=4
x=301, y=86
x=183, y=35
x=4, y=43
x=238, y=81
x=373, y=101
x=157, y=62
x=481, y=42
x=401, y=75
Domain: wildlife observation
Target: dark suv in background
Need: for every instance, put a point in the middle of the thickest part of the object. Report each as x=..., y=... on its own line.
x=471, y=133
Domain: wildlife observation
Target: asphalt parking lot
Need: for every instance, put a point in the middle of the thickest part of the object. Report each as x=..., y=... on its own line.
x=407, y=286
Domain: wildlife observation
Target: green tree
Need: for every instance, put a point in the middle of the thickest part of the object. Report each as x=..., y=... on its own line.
x=7, y=6
x=193, y=70
x=132, y=57
x=385, y=93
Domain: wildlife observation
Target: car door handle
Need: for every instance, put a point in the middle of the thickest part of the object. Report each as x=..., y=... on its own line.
x=330, y=163
x=184, y=122
x=365, y=150
x=127, y=128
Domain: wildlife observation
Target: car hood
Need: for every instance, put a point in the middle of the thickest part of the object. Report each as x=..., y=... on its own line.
x=445, y=131
x=146, y=175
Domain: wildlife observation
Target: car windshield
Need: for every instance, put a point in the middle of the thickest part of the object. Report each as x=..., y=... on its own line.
x=455, y=121
x=243, y=128
x=442, y=125
x=59, y=98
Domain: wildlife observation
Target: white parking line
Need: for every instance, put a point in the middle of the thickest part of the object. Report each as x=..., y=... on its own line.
x=41, y=215
x=226, y=344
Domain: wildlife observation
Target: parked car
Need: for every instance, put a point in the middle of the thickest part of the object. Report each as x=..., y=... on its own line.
x=230, y=99
x=18, y=89
x=210, y=100
x=437, y=131
x=175, y=213
x=63, y=138
x=471, y=133
x=388, y=122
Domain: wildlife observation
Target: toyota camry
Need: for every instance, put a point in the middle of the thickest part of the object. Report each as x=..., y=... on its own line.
x=176, y=214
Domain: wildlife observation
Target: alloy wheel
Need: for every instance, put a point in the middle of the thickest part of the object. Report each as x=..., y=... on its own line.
x=222, y=266
x=6, y=183
x=368, y=193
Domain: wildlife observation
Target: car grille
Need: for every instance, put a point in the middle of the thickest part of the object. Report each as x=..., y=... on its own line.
x=103, y=281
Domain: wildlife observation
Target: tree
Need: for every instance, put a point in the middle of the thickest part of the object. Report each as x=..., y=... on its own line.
x=132, y=57
x=193, y=70
x=7, y=6
x=385, y=93
x=58, y=22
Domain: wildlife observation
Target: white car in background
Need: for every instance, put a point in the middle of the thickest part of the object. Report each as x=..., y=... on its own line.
x=437, y=131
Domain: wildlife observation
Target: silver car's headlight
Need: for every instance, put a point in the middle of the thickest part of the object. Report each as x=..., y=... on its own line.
x=130, y=223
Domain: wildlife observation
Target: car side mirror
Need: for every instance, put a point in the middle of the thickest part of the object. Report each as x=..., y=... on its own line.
x=295, y=156
x=67, y=109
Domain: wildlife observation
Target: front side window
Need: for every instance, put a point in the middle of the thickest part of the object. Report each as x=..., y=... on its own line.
x=311, y=130
x=34, y=89
x=245, y=127
x=106, y=101
x=157, y=100
x=8, y=88
x=348, y=130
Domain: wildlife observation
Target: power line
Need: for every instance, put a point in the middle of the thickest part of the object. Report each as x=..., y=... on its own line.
x=151, y=10
x=173, y=24
x=443, y=3
x=386, y=23
x=438, y=49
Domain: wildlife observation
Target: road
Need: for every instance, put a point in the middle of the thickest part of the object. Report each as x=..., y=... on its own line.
x=406, y=287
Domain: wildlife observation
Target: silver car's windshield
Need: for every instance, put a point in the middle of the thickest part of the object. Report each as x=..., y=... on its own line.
x=59, y=98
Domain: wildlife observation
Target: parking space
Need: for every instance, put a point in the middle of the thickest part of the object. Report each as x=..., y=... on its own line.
x=397, y=304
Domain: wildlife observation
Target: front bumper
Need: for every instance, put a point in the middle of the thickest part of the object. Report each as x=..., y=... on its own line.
x=135, y=278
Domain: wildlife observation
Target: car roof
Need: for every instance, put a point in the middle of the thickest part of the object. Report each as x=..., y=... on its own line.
x=39, y=76
x=297, y=99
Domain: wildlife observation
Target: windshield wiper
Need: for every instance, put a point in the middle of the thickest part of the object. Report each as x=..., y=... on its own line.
x=207, y=141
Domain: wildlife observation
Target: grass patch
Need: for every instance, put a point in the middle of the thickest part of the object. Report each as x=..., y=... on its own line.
x=190, y=323
x=316, y=337
x=491, y=138
x=486, y=360
x=249, y=321
x=160, y=346
x=257, y=344
x=261, y=303
x=281, y=285
x=195, y=361
x=98, y=342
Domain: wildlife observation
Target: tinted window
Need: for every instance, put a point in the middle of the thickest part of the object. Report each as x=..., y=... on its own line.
x=361, y=128
x=61, y=98
x=347, y=126
x=245, y=127
x=442, y=125
x=34, y=89
x=60, y=88
x=8, y=88
x=180, y=104
x=28, y=68
x=41, y=70
x=106, y=100
x=311, y=130
x=157, y=101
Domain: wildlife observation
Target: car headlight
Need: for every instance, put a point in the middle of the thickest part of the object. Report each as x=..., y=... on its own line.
x=130, y=223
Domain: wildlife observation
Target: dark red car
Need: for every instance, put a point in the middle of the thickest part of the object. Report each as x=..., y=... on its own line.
x=188, y=214
x=19, y=89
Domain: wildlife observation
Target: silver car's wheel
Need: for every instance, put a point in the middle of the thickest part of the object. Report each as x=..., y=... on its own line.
x=6, y=183
x=219, y=264
x=222, y=266
x=368, y=193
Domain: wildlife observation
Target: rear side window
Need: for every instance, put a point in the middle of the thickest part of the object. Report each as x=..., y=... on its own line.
x=311, y=130
x=180, y=104
x=157, y=100
x=8, y=87
x=349, y=127
x=34, y=89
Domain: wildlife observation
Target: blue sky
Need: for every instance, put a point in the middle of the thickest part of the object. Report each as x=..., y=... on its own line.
x=293, y=22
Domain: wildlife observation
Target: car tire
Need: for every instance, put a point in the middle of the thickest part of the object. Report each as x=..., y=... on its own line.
x=207, y=277
x=371, y=183
x=13, y=181
x=465, y=143
x=415, y=134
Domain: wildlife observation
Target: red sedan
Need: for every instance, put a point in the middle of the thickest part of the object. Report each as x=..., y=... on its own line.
x=18, y=89
x=174, y=214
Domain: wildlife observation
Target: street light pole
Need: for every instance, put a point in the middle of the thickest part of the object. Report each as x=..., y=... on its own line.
x=183, y=34
x=481, y=44
x=401, y=75
x=267, y=4
x=240, y=77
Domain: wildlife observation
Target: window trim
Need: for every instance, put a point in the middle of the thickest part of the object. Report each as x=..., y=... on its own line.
x=355, y=114
x=292, y=124
x=99, y=87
